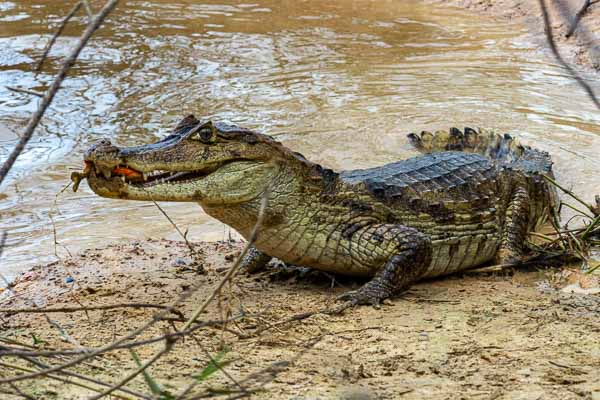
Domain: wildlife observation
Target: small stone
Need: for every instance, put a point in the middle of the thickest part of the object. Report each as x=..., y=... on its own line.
x=69, y=279
x=181, y=262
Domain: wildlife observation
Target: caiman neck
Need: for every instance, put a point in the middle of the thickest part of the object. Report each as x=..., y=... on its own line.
x=299, y=184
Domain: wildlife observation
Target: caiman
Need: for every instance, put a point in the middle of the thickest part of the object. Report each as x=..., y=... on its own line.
x=472, y=198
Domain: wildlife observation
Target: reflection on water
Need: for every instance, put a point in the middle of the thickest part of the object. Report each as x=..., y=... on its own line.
x=341, y=82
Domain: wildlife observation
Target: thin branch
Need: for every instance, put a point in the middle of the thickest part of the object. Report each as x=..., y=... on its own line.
x=21, y=393
x=554, y=49
x=86, y=308
x=88, y=9
x=17, y=394
x=63, y=332
x=117, y=345
x=189, y=245
x=54, y=209
x=300, y=317
x=109, y=347
x=2, y=242
x=26, y=91
x=578, y=17
x=253, y=235
x=263, y=376
x=48, y=47
x=49, y=96
x=83, y=378
x=195, y=382
x=58, y=378
x=168, y=347
x=2, y=245
x=570, y=193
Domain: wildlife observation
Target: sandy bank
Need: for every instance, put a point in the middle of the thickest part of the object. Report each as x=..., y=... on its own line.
x=483, y=336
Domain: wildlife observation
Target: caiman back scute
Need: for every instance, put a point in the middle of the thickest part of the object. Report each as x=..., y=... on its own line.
x=437, y=184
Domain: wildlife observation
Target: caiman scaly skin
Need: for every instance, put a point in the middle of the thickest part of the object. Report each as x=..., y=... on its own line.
x=471, y=199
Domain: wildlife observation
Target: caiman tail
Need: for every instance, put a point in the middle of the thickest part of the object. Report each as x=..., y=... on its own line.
x=506, y=153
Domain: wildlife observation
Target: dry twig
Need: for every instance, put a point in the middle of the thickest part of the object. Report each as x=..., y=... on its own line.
x=184, y=236
x=67, y=381
x=2, y=244
x=61, y=27
x=578, y=17
x=26, y=91
x=87, y=308
x=63, y=332
x=238, y=261
x=168, y=346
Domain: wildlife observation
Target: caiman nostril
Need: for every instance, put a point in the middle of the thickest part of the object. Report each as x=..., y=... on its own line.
x=104, y=146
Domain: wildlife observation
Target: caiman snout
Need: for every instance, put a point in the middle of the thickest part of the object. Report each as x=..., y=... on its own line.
x=102, y=159
x=104, y=148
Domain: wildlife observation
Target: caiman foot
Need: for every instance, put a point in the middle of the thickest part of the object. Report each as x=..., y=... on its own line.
x=255, y=260
x=412, y=255
x=372, y=293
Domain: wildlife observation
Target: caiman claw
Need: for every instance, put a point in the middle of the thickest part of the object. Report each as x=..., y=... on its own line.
x=361, y=297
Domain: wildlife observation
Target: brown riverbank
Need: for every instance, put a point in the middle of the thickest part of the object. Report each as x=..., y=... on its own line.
x=581, y=48
x=480, y=335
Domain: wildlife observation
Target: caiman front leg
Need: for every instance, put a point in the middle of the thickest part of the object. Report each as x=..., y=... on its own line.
x=255, y=260
x=512, y=244
x=408, y=256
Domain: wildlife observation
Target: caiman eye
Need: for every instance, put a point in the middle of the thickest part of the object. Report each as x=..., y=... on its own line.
x=206, y=134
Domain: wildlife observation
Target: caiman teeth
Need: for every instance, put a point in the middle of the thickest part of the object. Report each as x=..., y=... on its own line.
x=175, y=175
x=132, y=176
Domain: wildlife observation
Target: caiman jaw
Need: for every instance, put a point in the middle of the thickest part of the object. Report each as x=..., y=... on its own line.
x=137, y=178
x=140, y=179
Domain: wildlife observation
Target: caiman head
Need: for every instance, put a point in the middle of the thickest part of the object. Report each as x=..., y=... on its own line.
x=205, y=162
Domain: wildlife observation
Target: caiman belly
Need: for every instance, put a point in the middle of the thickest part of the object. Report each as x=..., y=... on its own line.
x=320, y=247
x=466, y=241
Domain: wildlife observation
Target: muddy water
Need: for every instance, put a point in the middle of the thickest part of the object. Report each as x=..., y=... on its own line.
x=341, y=82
